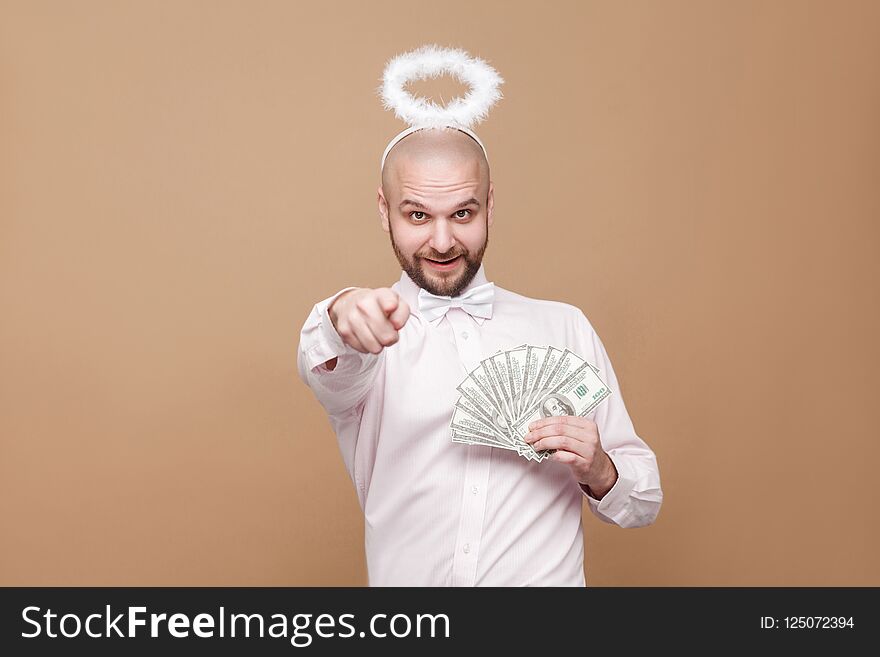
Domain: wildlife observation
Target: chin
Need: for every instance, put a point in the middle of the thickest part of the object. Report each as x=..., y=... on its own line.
x=448, y=277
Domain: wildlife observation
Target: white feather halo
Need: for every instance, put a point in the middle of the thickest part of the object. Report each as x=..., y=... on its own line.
x=432, y=61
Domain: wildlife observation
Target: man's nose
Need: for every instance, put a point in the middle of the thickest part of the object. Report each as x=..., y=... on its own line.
x=442, y=238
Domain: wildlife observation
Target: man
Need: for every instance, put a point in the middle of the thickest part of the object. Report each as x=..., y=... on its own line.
x=439, y=513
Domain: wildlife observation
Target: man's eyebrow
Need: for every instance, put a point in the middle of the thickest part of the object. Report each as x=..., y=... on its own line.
x=421, y=206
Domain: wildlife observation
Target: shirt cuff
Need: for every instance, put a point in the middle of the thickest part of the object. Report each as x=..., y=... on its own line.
x=613, y=504
x=328, y=343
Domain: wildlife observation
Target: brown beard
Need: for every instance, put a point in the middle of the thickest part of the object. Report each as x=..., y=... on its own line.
x=451, y=288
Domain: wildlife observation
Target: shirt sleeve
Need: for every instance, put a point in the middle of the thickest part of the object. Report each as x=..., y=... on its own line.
x=341, y=389
x=636, y=497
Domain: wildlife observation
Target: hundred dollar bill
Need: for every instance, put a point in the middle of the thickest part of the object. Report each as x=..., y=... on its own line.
x=477, y=392
x=534, y=357
x=499, y=371
x=469, y=426
x=470, y=438
x=500, y=374
x=509, y=389
x=469, y=429
x=548, y=360
x=577, y=394
x=485, y=381
x=469, y=418
x=496, y=378
x=557, y=365
x=516, y=361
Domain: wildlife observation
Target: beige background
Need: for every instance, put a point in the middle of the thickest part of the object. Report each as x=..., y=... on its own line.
x=181, y=181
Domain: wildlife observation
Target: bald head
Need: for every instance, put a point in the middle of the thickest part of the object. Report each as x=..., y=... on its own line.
x=433, y=150
x=436, y=202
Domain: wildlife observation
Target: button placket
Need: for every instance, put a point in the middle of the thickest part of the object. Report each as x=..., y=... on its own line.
x=476, y=475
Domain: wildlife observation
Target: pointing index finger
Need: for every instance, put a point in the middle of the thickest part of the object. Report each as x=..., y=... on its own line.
x=400, y=315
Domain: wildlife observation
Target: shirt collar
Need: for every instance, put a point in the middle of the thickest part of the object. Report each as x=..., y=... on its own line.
x=410, y=292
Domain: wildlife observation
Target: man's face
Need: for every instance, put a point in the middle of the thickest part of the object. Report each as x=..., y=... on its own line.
x=437, y=210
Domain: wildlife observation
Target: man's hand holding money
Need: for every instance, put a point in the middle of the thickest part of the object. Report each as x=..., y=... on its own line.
x=576, y=441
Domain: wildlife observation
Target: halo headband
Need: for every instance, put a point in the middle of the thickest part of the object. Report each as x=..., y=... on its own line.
x=432, y=61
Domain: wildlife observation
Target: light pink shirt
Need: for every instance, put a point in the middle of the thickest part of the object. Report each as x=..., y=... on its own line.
x=439, y=513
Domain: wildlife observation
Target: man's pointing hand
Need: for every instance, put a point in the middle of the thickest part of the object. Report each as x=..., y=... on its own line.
x=368, y=320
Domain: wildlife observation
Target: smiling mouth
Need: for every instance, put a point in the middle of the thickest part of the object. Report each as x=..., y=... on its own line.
x=444, y=262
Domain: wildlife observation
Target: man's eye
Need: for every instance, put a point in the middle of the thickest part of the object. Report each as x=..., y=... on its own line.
x=462, y=217
x=416, y=212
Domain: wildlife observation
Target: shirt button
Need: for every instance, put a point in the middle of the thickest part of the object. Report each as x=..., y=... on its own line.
x=464, y=334
x=475, y=490
x=466, y=548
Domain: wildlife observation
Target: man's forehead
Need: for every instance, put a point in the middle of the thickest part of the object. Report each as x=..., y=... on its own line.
x=438, y=184
x=439, y=187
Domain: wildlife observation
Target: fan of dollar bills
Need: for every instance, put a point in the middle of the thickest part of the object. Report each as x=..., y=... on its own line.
x=513, y=388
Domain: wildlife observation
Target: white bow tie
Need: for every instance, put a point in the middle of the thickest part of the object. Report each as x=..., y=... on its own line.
x=477, y=301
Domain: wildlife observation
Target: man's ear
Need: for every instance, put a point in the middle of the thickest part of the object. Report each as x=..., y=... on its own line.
x=490, y=204
x=383, y=209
